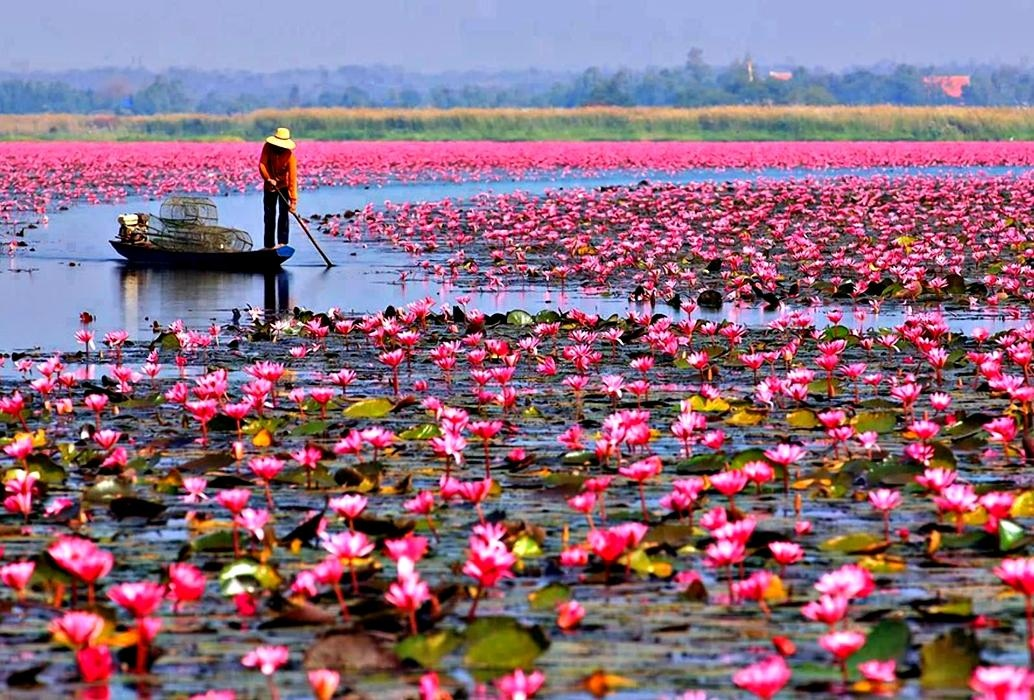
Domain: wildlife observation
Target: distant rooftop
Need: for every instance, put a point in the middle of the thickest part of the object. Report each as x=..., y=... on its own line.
x=950, y=85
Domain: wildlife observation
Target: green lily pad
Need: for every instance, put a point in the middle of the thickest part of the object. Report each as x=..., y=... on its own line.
x=518, y=317
x=803, y=418
x=502, y=644
x=369, y=408
x=875, y=421
x=853, y=543
x=889, y=639
x=1010, y=535
x=50, y=472
x=580, y=458
x=699, y=403
x=949, y=660
x=701, y=464
x=426, y=431
x=313, y=427
x=526, y=548
x=429, y=649
x=754, y=454
x=746, y=417
x=549, y=596
x=242, y=575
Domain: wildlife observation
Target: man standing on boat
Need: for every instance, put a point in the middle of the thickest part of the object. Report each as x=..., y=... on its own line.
x=279, y=170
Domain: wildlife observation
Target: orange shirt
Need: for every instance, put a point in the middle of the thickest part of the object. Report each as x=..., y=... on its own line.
x=280, y=165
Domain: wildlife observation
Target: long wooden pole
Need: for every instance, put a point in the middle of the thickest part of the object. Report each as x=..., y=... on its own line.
x=306, y=229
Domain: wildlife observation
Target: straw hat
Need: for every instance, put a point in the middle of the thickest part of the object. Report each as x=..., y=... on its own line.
x=282, y=138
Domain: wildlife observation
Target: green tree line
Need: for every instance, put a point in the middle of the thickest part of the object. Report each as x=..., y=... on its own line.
x=692, y=84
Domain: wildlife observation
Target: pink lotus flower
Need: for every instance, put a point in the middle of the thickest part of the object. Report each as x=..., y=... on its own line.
x=569, y=614
x=80, y=629
x=186, y=584
x=640, y=472
x=519, y=686
x=95, y=663
x=266, y=659
x=140, y=599
x=879, y=672
x=16, y=575
x=828, y=609
x=849, y=581
x=407, y=594
x=765, y=678
x=842, y=644
x=1001, y=683
x=324, y=683
x=348, y=506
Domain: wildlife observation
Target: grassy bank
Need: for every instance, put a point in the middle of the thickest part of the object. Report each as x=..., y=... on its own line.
x=582, y=124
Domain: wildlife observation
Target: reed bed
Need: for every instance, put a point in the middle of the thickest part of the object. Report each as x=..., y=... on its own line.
x=731, y=123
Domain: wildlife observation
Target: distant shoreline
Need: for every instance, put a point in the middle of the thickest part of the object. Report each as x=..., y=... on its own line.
x=731, y=123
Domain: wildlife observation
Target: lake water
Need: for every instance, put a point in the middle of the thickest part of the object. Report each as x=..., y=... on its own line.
x=70, y=267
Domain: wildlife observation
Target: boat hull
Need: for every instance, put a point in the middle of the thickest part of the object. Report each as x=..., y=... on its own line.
x=263, y=260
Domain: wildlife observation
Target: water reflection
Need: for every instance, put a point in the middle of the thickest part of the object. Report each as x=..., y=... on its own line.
x=69, y=267
x=276, y=294
x=198, y=297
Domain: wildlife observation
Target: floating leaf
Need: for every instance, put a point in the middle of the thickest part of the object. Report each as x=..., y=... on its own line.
x=819, y=387
x=803, y=418
x=1023, y=506
x=1010, y=535
x=754, y=454
x=218, y=541
x=580, y=458
x=883, y=564
x=50, y=472
x=425, y=431
x=670, y=534
x=746, y=417
x=502, y=644
x=531, y=412
x=131, y=507
x=943, y=456
x=107, y=488
x=889, y=639
x=699, y=403
x=837, y=332
x=369, y=408
x=948, y=661
x=526, y=547
x=954, y=609
x=347, y=652
x=640, y=562
x=238, y=577
x=313, y=427
x=701, y=464
x=518, y=317
x=429, y=649
x=875, y=421
x=209, y=462
x=549, y=596
x=300, y=615
x=854, y=543
x=976, y=540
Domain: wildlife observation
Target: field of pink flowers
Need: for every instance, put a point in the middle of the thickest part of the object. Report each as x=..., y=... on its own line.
x=435, y=502
x=39, y=177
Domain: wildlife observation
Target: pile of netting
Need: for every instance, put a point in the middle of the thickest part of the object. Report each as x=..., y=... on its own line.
x=183, y=223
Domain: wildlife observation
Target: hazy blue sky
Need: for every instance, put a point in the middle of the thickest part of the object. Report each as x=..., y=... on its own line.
x=436, y=35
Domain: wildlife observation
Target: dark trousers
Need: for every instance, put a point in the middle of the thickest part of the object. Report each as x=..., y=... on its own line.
x=276, y=227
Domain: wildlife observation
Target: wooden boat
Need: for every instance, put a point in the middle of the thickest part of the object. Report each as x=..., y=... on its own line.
x=261, y=260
